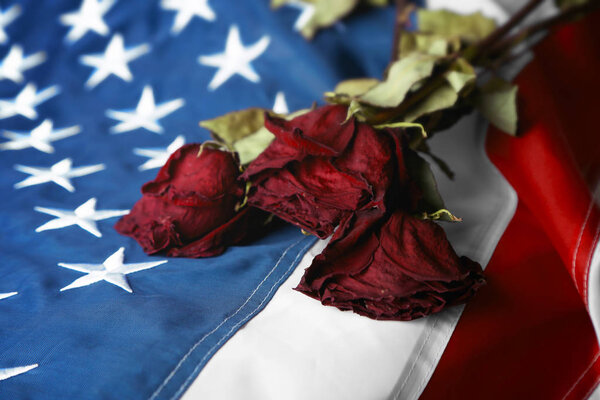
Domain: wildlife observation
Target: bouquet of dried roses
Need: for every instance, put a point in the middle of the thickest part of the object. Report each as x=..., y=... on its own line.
x=349, y=172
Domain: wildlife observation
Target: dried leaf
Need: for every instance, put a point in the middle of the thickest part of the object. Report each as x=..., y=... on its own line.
x=461, y=75
x=497, y=101
x=420, y=172
x=415, y=140
x=324, y=13
x=443, y=97
x=250, y=147
x=441, y=215
x=431, y=205
x=355, y=87
x=442, y=165
x=235, y=125
x=402, y=76
x=472, y=27
x=376, y=3
x=361, y=112
x=426, y=43
x=564, y=4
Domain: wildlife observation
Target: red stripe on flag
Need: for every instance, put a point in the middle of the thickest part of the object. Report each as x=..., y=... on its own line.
x=526, y=335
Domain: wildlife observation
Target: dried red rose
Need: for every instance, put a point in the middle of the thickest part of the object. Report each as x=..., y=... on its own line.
x=189, y=210
x=402, y=269
x=320, y=170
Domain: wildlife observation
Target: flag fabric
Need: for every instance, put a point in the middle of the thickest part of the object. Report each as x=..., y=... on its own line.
x=95, y=94
x=528, y=334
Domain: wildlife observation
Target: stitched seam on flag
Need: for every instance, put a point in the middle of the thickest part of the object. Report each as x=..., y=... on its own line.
x=585, y=221
x=242, y=321
x=416, y=359
x=191, y=350
x=582, y=375
x=589, y=265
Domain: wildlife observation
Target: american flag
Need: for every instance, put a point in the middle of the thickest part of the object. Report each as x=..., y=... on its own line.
x=94, y=96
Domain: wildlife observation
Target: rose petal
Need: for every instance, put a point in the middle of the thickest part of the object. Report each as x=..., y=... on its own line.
x=190, y=208
x=191, y=179
x=321, y=132
x=401, y=270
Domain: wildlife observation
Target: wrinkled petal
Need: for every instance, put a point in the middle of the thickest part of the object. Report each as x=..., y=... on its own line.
x=190, y=208
x=314, y=195
x=402, y=269
x=246, y=223
x=191, y=179
x=321, y=132
x=321, y=169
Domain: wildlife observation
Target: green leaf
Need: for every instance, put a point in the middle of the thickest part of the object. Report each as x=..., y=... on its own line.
x=497, y=101
x=471, y=27
x=402, y=75
x=443, y=97
x=235, y=125
x=325, y=13
x=355, y=87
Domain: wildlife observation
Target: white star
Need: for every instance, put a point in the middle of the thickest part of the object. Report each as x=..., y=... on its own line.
x=307, y=11
x=60, y=173
x=84, y=216
x=40, y=137
x=112, y=270
x=145, y=115
x=14, y=64
x=6, y=17
x=6, y=373
x=280, y=106
x=25, y=102
x=89, y=17
x=113, y=61
x=158, y=157
x=186, y=10
x=235, y=59
x=7, y=295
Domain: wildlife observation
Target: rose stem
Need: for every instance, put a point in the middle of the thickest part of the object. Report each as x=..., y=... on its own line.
x=564, y=16
x=439, y=80
x=398, y=27
x=478, y=49
x=500, y=32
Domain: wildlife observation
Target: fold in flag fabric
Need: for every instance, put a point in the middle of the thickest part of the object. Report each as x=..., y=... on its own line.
x=528, y=333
